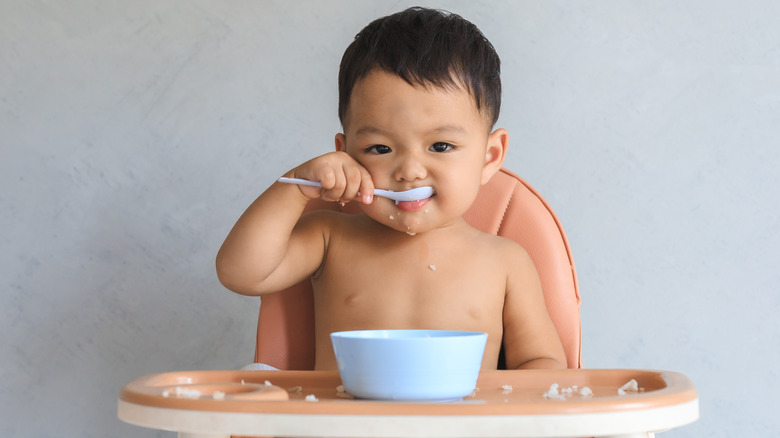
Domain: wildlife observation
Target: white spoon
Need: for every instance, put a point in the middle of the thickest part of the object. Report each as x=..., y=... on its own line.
x=407, y=195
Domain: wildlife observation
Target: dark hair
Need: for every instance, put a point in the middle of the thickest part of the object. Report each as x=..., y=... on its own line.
x=425, y=47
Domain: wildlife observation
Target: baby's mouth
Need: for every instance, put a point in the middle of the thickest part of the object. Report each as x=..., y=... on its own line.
x=409, y=206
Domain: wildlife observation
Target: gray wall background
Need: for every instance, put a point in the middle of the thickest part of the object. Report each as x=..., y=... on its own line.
x=133, y=134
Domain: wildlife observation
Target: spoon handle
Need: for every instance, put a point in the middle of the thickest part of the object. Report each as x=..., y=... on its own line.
x=408, y=195
x=299, y=181
x=306, y=182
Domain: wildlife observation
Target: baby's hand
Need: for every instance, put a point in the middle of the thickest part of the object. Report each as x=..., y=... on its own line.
x=342, y=178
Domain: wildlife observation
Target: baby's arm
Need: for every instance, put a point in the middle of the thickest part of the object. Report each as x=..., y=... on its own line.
x=530, y=338
x=271, y=247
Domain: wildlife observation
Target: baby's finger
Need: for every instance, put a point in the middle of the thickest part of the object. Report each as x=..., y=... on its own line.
x=353, y=177
x=334, y=189
x=366, y=187
x=326, y=177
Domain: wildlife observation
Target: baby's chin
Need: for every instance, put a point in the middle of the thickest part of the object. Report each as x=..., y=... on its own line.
x=410, y=223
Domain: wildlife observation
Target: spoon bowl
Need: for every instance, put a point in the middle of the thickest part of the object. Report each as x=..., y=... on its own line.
x=414, y=194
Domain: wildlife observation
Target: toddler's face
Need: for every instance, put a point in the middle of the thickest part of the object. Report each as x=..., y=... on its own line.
x=411, y=136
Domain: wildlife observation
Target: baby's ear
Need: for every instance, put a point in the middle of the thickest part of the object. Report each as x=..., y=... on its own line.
x=341, y=142
x=498, y=142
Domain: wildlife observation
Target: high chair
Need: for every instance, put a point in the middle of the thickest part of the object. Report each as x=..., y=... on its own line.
x=506, y=206
x=237, y=403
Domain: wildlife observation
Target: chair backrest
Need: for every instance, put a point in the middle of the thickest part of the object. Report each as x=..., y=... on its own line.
x=506, y=206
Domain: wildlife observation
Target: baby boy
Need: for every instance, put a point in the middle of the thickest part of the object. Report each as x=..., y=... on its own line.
x=419, y=94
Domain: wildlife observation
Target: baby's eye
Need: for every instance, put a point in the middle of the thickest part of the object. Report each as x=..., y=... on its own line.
x=440, y=147
x=378, y=149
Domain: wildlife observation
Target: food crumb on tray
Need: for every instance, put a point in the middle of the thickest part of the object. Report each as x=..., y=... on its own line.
x=342, y=392
x=630, y=386
x=295, y=389
x=557, y=393
x=182, y=393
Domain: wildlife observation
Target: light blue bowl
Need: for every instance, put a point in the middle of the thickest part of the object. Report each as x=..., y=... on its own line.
x=410, y=365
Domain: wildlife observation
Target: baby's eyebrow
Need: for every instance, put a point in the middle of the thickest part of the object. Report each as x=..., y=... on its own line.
x=368, y=129
x=439, y=130
x=449, y=129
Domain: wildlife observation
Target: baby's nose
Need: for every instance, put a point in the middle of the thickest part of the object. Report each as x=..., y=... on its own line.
x=410, y=168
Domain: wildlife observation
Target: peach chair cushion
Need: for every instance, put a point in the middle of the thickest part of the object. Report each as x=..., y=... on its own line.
x=506, y=206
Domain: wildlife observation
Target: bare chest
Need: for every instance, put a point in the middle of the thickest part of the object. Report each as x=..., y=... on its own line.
x=411, y=287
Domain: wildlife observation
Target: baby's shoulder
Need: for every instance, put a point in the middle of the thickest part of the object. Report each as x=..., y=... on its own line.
x=502, y=248
x=498, y=243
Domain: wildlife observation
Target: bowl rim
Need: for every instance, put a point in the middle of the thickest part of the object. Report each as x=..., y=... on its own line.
x=405, y=334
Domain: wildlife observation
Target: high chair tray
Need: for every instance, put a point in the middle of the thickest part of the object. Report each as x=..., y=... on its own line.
x=505, y=403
